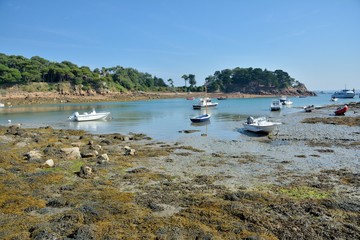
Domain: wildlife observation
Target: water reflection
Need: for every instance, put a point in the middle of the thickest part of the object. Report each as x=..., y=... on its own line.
x=92, y=126
x=199, y=124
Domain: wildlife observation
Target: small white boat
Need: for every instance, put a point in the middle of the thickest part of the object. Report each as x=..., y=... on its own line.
x=2, y=105
x=204, y=103
x=260, y=125
x=334, y=99
x=275, y=105
x=89, y=116
x=285, y=101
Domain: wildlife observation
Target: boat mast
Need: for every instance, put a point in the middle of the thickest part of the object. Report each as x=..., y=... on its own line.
x=206, y=102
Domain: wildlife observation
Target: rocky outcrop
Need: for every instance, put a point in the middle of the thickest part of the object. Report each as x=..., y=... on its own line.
x=299, y=90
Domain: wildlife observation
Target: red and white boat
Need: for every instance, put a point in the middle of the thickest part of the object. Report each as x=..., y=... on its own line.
x=341, y=110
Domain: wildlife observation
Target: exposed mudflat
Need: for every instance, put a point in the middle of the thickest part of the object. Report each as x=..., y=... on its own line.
x=301, y=182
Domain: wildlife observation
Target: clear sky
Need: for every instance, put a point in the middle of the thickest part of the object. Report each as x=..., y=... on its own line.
x=316, y=41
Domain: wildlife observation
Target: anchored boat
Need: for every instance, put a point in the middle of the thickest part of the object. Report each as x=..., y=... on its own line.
x=89, y=116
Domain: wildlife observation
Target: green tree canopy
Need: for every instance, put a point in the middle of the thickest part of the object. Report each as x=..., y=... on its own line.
x=21, y=70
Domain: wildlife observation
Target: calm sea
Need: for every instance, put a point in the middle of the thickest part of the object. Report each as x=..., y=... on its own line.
x=160, y=119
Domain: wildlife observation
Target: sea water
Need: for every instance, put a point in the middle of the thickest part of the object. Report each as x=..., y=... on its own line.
x=162, y=119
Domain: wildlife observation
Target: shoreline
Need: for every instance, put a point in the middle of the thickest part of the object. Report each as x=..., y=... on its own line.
x=20, y=98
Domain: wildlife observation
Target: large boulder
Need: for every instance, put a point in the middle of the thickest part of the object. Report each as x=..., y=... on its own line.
x=33, y=156
x=71, y=153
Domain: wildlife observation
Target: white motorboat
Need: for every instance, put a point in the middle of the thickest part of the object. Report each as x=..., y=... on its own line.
x=285, y=101
x=2, y=105
x=344, y=93
x=89, y=116
x=204, y=103
x=260, y=125
x=333, y=99
x=275, y=105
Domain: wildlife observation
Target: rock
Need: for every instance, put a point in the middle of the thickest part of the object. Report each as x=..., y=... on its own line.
x=103, y=158
x=138, y=170
x=95, y=147
x=129, y=151
x=106, y=142
x=85, y=172
x=21, y=144
x=77, y=144
x=33, y=156
x=89, y=154
x=71, y=153
x=49, y=163
x=191, y=131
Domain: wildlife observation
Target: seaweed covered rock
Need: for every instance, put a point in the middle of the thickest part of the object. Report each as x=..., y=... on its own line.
x=85, y=172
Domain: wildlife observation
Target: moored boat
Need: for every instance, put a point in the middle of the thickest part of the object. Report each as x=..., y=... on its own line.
x=344, y=93
x=334, y=99
x=204, y=103
x=201, y=118
x=285, y=101
x=88, y=116
x=222, y=98
x=260, y=124
x=275, y=105
x=341, y=110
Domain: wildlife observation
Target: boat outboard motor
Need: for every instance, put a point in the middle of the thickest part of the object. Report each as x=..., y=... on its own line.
x=250, y=120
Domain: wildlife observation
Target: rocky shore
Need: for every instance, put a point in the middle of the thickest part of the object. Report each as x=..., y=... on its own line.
x=301, y=182
x=13, y=98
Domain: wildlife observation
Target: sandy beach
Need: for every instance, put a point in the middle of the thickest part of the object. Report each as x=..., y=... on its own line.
x=300, y=182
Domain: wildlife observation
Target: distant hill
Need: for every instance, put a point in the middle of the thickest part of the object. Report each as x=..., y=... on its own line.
x=255, y=81
x=18, y=70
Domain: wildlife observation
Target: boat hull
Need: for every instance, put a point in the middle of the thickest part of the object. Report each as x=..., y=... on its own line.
x=202, y=118
x=259, y=129
x=92, y=116
x=260, y=125
x=275, y=105
x=197, y=106
x=345, y=93
x=341, y=111
x=98, y=116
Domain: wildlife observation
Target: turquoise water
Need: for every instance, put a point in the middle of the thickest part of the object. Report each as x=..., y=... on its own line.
x=160, y=119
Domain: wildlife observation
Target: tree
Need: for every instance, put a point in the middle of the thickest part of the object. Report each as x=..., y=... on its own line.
x=9, y=75
x=171, y=83
x=185, y=77
x=192, y=80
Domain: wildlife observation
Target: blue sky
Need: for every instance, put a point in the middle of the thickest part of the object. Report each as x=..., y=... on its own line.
x=316, y=41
